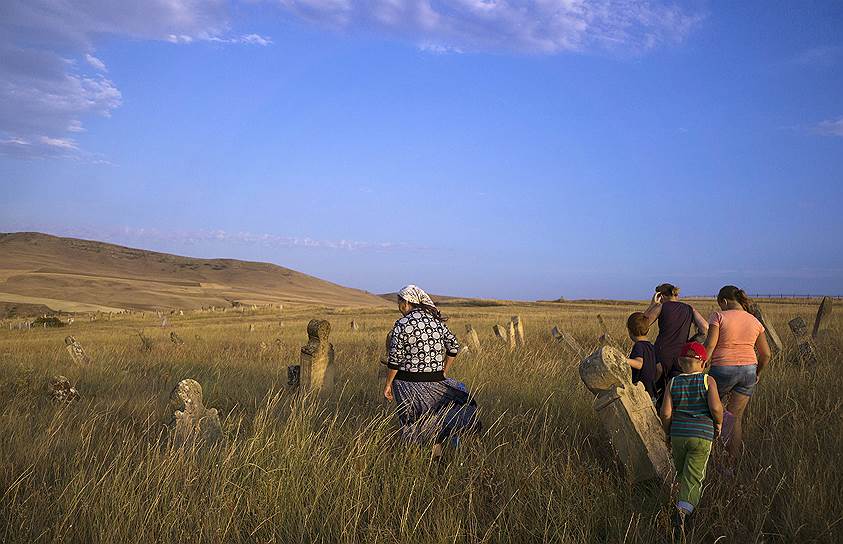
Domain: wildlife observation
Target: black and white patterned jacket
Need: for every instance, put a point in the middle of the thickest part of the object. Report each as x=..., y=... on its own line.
x=419, y=343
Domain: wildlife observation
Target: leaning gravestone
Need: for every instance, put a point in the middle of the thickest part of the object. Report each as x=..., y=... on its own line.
x=194, y=422
x=317, y=358
x=605, y=338
x=176, y=339
x=472, y=340
x=355, y=326
x=568, y=339
x=805, y=349
x=772, y=336
x=61, y=391
x=76, y=352
x=823, y=315
x=518, y=328
x=251, y=328
x=628, y=416
x=500, y=333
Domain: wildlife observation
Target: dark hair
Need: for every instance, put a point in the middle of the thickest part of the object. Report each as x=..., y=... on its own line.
x=637, y=324
x=730, y=292
x=667, y=290
x=427, y=309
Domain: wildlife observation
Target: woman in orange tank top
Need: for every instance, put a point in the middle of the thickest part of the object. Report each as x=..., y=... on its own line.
x=739, y=353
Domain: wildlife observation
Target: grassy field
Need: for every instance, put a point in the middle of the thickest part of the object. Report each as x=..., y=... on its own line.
x=300, y=470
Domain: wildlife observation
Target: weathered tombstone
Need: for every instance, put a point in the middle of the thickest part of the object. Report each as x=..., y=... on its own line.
x=511, y=336
x=194, y=422
x=568, y=339
x=605, y=338
x=317, y=358
x=76, y=352
x=628, y=416
x=61, y=391
x=518, y=328
x=176, y=339
x=354, y=326
x=181, y=312
x=472, y=340
x=806, y=351
x=293, y=376
x=146, y=342
x=500, y=333
x=252, y=327
x=823, y=315
x=772, y=336
x=164, y=322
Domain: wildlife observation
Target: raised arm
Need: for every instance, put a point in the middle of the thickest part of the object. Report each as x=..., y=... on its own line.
x=654, y=310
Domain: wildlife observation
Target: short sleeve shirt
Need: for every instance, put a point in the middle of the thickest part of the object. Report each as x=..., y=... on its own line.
x=738, y=332
x=647, y=373
x=419, y=343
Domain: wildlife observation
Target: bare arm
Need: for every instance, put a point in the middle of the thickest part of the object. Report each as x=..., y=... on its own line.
x=387, y=390
x=711, y=340
x=700, y=322
x=637, y=363
x=654, y=310
x=714, y=404
x=667, y=408
x=449, y=359
x=763, y=351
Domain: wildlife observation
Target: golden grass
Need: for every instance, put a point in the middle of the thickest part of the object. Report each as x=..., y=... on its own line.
x=301, y=470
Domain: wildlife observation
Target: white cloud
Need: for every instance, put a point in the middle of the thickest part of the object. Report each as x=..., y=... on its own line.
x=830, y=127
x=95, y=62
x=540, y=26
x=50, y=79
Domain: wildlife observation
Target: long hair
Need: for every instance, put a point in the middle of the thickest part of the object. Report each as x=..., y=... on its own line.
x=730, y=292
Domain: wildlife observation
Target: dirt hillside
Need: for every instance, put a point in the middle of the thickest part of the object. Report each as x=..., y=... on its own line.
x=75, y=275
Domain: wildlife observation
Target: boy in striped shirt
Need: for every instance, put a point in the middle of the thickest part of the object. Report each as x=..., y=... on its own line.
x=692, y=416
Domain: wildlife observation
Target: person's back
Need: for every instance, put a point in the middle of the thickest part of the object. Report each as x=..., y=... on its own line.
x=691, y=415
x=739, y=331
x=674, y=321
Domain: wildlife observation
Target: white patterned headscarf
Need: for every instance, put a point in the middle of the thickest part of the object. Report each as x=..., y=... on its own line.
x=416, y=295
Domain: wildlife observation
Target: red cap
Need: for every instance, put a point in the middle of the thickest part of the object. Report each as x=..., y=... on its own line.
x=695, y=350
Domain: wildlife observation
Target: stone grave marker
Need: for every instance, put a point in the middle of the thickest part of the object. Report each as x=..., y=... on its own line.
x=805, y=349
x=176, y=339
x=355, y=326
x=518, y=328
x=146, y=342
x=773, y=338
x=628, y=416
x=823, y=316
x=568, y=340
x=195, y=424
x=77, y=353
x=61, y=391
x=317, y=358
x=503, y=334
x=605, y=338
x=251, y=327
x=510, y=336
x=472, y=340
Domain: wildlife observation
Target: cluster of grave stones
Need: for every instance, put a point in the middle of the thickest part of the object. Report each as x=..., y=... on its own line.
x=625, y=410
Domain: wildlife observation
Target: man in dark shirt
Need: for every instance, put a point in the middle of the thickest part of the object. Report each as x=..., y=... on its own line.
x=642, y=358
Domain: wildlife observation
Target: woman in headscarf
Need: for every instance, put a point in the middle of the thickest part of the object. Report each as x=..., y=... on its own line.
x=431, y=406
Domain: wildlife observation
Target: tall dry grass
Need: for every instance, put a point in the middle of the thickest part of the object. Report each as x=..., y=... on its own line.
x=295, y=469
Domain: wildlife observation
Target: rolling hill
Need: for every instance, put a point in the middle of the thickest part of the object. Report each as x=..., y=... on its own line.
x=72, y=275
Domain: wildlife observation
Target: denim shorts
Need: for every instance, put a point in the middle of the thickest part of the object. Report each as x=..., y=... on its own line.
x=739, y=378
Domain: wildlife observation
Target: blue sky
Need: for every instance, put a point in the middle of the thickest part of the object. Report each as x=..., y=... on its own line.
x=523, y=150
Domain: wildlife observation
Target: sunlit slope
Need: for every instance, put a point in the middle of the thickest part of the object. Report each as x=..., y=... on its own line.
x=81, y=275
